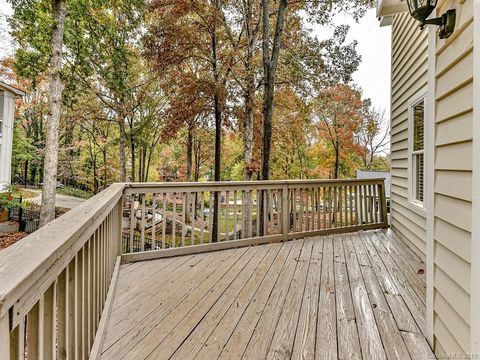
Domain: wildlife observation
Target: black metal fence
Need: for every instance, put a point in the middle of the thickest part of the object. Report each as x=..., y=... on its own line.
x=137, y=243
x=28, y=219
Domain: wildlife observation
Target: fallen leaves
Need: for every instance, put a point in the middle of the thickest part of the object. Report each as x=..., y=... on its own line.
x=7, y=239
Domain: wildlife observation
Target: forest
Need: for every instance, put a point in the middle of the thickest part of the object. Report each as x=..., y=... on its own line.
x=188, y=90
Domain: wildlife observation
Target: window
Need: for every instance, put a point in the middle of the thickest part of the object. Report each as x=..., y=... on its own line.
x=417, y=164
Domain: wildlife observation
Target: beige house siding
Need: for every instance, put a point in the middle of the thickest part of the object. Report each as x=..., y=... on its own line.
x=409, y=77
x=453, y=183
x=452, y=164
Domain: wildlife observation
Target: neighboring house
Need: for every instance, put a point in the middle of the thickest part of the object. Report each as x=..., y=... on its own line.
x=435, y=163
x=8, y=94
x=372, y=174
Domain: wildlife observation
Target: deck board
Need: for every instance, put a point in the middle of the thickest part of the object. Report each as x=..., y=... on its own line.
x=351, y=296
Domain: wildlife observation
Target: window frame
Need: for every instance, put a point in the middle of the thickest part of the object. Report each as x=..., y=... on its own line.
x=412, y=183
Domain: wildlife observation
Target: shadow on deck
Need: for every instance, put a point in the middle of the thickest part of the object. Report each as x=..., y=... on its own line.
x=351, y=296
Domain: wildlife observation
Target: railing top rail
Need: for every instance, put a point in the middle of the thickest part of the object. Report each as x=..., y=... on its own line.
x=42, y=255
x=260, y=183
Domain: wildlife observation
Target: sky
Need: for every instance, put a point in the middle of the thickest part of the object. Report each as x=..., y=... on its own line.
x=373, y=74
x=374, y=45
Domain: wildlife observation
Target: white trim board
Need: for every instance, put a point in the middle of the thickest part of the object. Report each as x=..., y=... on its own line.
x=475, y=242
x=421, y=95
x=429, y=181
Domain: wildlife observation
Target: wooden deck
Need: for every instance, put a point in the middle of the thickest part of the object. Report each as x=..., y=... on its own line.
x=353, y=296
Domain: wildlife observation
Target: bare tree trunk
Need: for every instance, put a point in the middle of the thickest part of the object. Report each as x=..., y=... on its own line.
x=104, y=153
x=218, y=133
x=337, y=162
x=47, y=212
x=189, y=152
x=132, y=150
x=122, y=142
x=269, y=71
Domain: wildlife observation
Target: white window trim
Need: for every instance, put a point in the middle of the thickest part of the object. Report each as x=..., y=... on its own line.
x=414, y=204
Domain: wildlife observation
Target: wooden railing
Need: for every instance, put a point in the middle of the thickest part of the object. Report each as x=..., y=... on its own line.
x=54, y=283
x=57, y=284
x=168, y=216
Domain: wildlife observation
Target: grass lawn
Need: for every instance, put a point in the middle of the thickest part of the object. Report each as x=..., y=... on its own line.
x=74, y=192
x=25, y=194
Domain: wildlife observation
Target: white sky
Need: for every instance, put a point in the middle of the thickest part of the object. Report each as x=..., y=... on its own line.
x=373, y=75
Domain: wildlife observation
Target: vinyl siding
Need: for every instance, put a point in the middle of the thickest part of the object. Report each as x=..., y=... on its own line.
x=452, y=191
x=453, y=183
x=409, y=76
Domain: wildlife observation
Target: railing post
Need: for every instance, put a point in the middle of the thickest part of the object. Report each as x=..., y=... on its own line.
x=285, y=212
x=383, y=201
x=5, y=337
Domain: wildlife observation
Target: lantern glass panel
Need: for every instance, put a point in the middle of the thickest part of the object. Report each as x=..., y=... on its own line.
x=420, y=9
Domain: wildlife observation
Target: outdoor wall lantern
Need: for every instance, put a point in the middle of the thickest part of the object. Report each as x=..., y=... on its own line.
x=420, y=9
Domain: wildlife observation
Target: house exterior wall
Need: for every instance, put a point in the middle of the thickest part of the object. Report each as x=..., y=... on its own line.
x=409, y=78
x=6, y=137
x=449, y=75
x=452, y=192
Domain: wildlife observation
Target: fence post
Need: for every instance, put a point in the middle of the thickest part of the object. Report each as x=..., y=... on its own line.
x=285, y=212
x=21, y=223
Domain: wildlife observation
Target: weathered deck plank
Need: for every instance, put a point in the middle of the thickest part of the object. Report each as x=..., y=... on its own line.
x=342, y=297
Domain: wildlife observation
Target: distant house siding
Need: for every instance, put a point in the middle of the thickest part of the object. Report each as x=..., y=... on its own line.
x=409, y=77
x=453, y=183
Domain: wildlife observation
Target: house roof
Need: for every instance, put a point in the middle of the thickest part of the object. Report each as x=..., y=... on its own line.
x=4, y=86
x=386, y=8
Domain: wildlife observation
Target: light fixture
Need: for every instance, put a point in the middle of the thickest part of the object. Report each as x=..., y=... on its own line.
x=421, y=9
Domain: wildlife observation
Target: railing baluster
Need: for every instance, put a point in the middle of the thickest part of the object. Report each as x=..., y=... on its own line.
x=132, y=220
x=164, y=219
x=184, y=205
x=227, y=199
x=258, y=212
x=78, y=305
x=271, y=224
x=210, y=216
x=142, y=229
x=193, y=209
x=17, y=341
x=154, y=220
x=48, y=320
x=301, y=219
x=235, y=215
x=88, y=287
x=174, y=220
x=33, y=332
x=202, y=214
